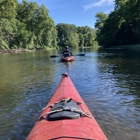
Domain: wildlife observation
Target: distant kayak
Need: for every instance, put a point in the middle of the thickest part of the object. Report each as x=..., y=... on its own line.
x=66, y=117
x=67, y=59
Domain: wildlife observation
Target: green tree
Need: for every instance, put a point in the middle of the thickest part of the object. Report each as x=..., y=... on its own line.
x=122, y=26
x=81, y=40
x=7, y=23
x=100, y=20
x=120, y=3
x=67, y=35
x=87, y=36
x=107, y=35
x=36, y=28
x=132, y=20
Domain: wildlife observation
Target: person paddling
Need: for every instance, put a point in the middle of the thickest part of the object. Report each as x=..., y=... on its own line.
x=67, y=52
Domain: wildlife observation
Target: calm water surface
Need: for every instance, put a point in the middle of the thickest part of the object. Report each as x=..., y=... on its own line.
x=108, y=81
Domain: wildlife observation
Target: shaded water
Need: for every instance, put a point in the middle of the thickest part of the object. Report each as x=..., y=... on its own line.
x=108, y=81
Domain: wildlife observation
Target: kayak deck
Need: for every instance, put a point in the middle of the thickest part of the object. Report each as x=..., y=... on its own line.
x=82, y=128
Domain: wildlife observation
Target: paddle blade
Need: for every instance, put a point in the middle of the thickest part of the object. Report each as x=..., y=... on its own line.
x=52, y=56
x=80, y=54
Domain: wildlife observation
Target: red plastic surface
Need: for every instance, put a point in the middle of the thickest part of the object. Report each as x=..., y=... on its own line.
x=82, y=128
x=67, y=59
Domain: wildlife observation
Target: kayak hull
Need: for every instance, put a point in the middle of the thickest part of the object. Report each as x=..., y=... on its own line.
x=66, y=129
x=67, y=59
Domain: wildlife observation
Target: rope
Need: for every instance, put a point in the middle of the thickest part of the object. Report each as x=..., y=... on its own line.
x=51, y=105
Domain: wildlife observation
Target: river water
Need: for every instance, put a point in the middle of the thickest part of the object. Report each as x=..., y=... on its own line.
x=107, y=80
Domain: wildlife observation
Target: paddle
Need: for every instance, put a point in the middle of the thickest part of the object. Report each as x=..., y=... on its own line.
x=52, y=56
x=82, y=54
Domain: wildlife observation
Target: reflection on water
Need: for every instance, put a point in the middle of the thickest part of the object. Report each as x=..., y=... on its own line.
x=108, y=81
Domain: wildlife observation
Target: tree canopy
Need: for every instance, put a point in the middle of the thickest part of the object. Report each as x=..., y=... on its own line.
x=27, y=25
x=121, y=27
x=69, y=34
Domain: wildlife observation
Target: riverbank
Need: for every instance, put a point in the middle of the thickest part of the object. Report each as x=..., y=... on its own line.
x=25, y=50
x=128, y=47
x=15, y=51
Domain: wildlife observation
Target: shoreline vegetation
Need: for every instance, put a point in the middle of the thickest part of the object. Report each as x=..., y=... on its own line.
x=15, y=51
x=26, y=25
x=126, y=47
x=123, y=47
x=20, y=31
x=24, y=50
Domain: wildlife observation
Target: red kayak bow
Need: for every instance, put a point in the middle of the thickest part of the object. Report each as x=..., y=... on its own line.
x=66, y=117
